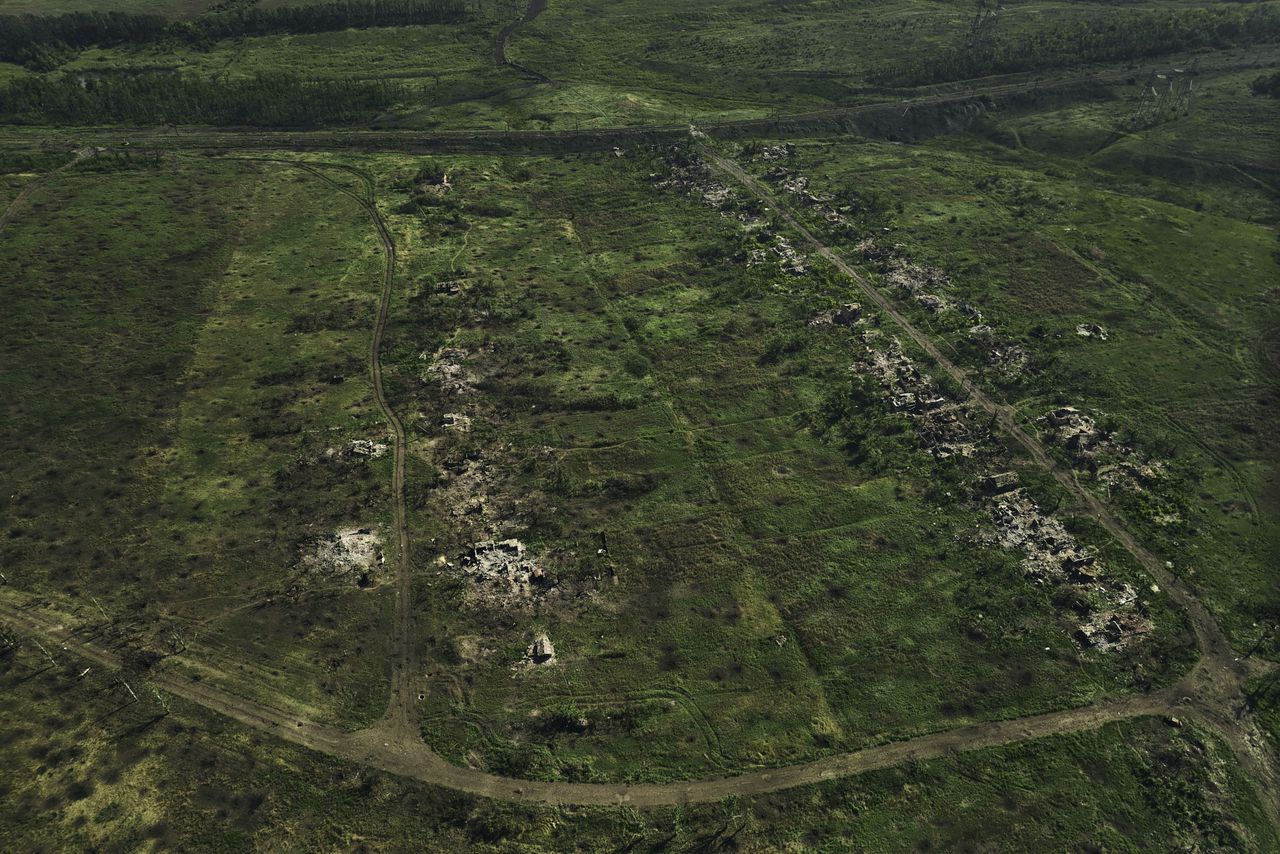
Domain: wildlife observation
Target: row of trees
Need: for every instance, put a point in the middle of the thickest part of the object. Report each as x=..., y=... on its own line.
x=1130, y=35
x=266, y=100
x=37, y=39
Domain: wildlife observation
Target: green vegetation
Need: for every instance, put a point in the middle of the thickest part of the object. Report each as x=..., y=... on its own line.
x=274, y=100
x=192, y=779
x=1125, y=35
x=641, y=396
x=729, y=425
x=183, y=511
x=38, y=41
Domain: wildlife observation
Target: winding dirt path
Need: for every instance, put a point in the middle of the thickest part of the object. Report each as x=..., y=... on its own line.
x=11, y=212
x=400, y=719
x=410, y=757
x=533, y=10
x=1218, y=668
x=1212, y=693
x=401, y=714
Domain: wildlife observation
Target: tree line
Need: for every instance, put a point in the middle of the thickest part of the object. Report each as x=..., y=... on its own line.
x=1112, y=37
x=43, y=41
x=275, y=100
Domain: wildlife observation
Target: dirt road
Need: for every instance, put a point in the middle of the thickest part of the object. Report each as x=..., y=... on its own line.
x=410, y=757
x=1219, y=667
x=11, y=212
x=1211, y=694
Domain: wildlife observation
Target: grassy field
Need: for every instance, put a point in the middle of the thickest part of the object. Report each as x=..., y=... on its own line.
x=761, y=599
x=1182, y=277
x=83, y=772
x=178, y=477
x=663, y=522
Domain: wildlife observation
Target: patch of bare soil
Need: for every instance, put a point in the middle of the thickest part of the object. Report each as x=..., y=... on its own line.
x=348, y=555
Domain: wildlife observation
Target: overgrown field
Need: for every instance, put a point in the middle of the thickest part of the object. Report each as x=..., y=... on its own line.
x=77, y=776
x=1181, y=276
x=179, y=408
x=719, y=581
x=682, y=500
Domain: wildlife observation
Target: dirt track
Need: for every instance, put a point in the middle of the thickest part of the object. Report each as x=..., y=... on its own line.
x=1218, y=667
x=1211, y=694
x=383, y=748
x=26, y=192
x=533, y=10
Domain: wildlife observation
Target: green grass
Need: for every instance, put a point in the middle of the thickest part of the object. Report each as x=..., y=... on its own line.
x=772, y=601
x=1180, y=276
x=186, y=336
x=207, y=476
x=82, y=772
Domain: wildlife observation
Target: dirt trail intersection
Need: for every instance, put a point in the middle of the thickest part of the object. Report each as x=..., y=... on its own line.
x=1212, y=694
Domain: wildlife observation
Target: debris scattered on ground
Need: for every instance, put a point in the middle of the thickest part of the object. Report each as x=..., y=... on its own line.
x=1105, y=611
x=792, y=261
x=358, y=449
x=504, y=575
x=932, y=303
x=1109, y=630
x=456, y=421
x=1050, y=554
x=943, y=425
x=366, y=448
x=1091, y=330
x=778, y=152
x=848, y=315
x=1008, y=359
x=350, y=553
x=1116, y=465
x=448, y=367
x=691, y=175
x=541, y=651
x=451, y=287
x=792, y=182
x=1108, y=610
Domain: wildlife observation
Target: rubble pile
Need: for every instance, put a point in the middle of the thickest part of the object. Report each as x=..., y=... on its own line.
x=448, y=367
x=691, y=175
x=358, y=449
x=451, y=288
x=1117, y=465
x=456, y=421
x=1076, y=431
x=366, y=448
x=796, y=184
x=1111, y=615
x=778, y=152
x=848, y=315
x=351, y=554
x=1008, y=359
x=942, y=424
x=792, y=261
x=504, y=574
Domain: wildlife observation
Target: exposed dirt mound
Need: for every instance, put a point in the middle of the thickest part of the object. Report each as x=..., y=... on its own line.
x=350, y=554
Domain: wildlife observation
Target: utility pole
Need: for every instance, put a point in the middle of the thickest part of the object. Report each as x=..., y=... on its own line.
x=982, y=29
x=1166, y=94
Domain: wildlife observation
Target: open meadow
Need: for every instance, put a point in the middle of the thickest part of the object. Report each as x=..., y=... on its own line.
x=716, y=426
